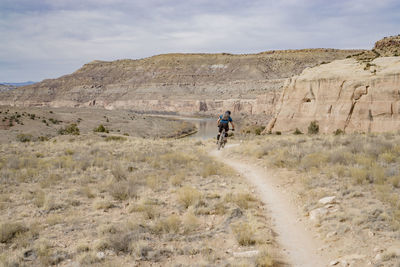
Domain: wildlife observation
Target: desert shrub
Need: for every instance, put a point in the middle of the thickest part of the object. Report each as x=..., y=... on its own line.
x=104, y=204
x=359, y=175
x=244, y=233
x=39, y=198
x=177, y=179
x=338, y=132
x=259, y=130
x=260, y=152
x=395, y=181
x=175, y=158
x=264, y=258
x=243, y=200
x=364, y=160
x=313, y=128
x=210, y=168
x=89, y=258
x=122, y=241
x=388, y=157
x=71, y=129
x=119, y=172
x=43, y=138
x=101, y=129
x=377, y=174
x=190, y=222
x=313, y=160
x=297, y=132
x=122, y=190
x=54, y=121
x=9, y=230
x=24, y=137
x=278, y=133
x=86, y=191
x=340, y=157
x=149, y=211
x=188, y=196
x=171, y=224
x=115, y=138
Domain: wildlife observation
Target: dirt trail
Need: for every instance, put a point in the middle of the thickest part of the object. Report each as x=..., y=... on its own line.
x=299, y=246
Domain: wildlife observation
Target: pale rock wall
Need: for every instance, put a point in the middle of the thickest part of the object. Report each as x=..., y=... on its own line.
x=344, y=94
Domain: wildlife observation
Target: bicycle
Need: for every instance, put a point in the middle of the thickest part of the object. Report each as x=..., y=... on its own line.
x=222, y=139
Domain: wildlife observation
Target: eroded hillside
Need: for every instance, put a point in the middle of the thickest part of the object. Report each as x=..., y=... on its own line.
x=184, y=83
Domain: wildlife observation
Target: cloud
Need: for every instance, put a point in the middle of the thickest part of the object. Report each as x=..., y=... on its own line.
x=49, y=38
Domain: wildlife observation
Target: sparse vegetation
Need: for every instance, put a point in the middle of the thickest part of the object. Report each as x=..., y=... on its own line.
x=71, y=129
x=360, y=170
x=24, y=138
x=297, y=131
x=152, y=201
x=313, y=128
x=100, y=129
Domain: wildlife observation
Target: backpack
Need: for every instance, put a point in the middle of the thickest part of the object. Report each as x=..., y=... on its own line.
x=226, y=116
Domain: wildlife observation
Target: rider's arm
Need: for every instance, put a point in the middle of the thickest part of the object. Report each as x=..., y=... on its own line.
x=233, y=125
x=219, y=119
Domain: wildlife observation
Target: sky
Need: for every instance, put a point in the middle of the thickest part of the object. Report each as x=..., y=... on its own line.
x=49, y=38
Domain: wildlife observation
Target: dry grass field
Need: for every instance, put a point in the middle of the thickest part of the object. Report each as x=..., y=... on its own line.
x=44, y=123
x=125, y=201
x=361, y=222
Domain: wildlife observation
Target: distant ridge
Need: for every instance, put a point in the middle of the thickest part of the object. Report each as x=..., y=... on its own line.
x=18, y=84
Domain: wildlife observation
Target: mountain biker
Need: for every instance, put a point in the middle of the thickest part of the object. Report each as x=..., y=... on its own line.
x=223, y=123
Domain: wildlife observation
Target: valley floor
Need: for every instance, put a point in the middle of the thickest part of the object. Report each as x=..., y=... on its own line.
x=81, y=200
x=87, y=200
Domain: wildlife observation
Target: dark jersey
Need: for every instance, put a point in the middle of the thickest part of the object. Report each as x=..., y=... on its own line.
x=225, y=121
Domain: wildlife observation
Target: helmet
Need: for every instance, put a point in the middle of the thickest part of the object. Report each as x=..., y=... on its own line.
x=228, y=111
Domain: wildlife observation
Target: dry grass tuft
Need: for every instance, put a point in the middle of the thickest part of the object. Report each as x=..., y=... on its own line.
x=264, y=258
x=190, y=222
x=245, y=233
x=9, y=230
x=188, y=196
x=171, y=224
x=123, y=190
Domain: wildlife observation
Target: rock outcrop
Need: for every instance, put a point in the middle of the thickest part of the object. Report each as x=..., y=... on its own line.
x=181, y=83
x=349, y=95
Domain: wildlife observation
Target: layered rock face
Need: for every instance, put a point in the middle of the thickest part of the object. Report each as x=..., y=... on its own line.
x=346, y=94
x=181, y=83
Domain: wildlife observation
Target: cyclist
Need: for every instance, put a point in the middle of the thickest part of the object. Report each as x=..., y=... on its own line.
x=223, y=123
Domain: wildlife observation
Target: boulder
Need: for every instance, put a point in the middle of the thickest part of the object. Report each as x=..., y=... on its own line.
x=327, y=200
x=316, y=214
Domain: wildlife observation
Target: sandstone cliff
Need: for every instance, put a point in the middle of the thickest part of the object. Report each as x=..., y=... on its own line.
x=183, y=83
x=346, y=94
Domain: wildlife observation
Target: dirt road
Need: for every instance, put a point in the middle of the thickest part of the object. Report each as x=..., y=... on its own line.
x=298, y=244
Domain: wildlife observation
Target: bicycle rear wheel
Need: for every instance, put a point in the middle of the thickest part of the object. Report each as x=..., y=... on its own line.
x=221, y=139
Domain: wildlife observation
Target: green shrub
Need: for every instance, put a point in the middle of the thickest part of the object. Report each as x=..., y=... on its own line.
x=24, y=138
x=54, y=121
x=338, y=132
x=70, y=129
x=100, y=129
x=297, y=131
x=259, y=130
x=313, y=128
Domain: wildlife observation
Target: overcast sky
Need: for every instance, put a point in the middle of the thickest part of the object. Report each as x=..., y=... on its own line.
x=49, y=38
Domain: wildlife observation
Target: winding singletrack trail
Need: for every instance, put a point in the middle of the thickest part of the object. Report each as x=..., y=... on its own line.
x=299, y=247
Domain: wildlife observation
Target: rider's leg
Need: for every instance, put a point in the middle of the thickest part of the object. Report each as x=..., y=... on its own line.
x=226, y=130
x=219, y=131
